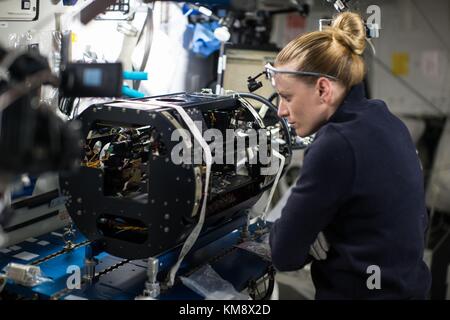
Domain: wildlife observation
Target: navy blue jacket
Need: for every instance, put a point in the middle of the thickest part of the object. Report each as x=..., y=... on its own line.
x=362, y=185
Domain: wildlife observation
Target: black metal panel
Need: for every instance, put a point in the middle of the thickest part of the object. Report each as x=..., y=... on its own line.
x=87, y=203
x=164, y=214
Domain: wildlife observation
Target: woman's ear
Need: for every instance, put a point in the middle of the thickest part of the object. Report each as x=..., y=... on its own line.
x=324, y=88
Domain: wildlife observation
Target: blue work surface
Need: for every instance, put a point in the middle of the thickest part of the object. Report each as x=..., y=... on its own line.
x=121, y=279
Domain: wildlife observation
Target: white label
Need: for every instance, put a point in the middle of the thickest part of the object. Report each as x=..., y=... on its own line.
x=43, y=243
x=14, y=248
x=73, y=297
x=220, y=65
x=31, y=240
x=224, y=62
x=27, y=256
x=4, y=250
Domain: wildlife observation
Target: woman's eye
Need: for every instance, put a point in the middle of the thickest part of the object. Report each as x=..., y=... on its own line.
x=285, y=98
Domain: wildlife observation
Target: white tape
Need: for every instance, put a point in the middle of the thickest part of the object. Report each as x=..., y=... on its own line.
x=275, y=183
x=192, y=238
x=124, y=104
x=218, y=89
x=263, y=111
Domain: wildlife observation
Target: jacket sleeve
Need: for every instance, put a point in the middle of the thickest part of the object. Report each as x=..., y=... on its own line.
x=326, y=180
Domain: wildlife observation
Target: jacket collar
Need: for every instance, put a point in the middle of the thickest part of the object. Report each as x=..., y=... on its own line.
x=355, y=98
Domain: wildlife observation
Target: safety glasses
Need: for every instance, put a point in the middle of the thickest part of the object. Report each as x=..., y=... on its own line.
x=271, y=71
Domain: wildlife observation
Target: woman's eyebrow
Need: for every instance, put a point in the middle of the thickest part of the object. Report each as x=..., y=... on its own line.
x=284, y=94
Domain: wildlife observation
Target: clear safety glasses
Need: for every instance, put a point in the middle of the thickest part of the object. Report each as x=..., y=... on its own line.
x=271, y=71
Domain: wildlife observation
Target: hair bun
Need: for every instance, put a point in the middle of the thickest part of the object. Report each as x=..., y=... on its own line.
x=349, y=30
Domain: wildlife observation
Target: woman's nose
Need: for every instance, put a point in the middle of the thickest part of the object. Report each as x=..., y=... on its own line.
x=282, y=110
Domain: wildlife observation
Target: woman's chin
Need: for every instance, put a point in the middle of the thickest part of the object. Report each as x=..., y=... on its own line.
x=302, y=133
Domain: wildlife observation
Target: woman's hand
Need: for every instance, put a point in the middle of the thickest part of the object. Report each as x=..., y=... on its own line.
x=320, y=247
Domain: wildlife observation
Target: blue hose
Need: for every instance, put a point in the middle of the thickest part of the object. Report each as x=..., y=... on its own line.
x=135, y=75
x=127, y=91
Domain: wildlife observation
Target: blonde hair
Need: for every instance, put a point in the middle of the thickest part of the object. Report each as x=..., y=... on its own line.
x=335, y=51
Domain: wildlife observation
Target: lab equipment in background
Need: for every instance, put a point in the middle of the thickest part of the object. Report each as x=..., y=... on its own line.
x=19, y=10
x=43, y=211
x=241, y=63
x=120, y=10
x=91, y=80
x=134, y=76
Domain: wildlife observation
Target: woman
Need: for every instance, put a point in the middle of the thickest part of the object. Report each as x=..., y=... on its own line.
x=361, y=183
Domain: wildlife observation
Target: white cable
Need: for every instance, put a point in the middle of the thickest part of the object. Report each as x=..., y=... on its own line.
x=3, y=235
x=252, y=110
x=274, y=152
x=1, y=120
x=369, y=41
x=2, y=282
x=5, y=203
x=277, y=179
x=192, y=238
